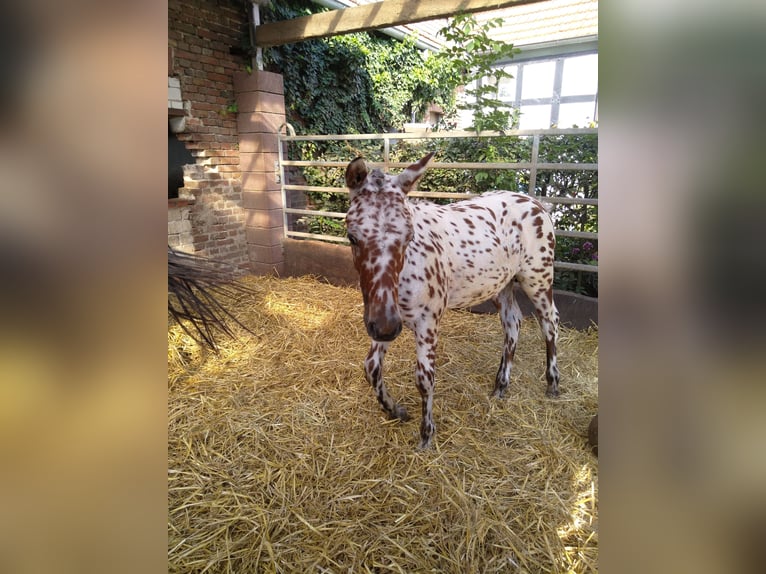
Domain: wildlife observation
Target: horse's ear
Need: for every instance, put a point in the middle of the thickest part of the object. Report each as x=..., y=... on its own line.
x=409, y=177
x=356, y=173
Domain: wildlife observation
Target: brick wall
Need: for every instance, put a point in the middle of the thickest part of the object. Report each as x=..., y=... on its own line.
x=200, y=34
x=216, y=215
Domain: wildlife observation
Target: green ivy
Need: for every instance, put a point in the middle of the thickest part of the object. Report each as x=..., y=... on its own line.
x=354, y=83
x=470, y=57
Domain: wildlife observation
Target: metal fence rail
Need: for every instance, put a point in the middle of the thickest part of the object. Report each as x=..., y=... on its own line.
x=534, y=166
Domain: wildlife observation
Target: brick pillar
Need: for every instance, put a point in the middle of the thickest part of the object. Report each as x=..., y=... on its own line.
x=261, y=111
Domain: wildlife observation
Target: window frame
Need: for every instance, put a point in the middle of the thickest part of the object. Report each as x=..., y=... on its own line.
x=548, y=54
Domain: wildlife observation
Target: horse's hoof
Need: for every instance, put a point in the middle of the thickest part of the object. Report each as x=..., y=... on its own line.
x=552, y=393
x=401, y=414
x=424, y=444
x=498, y=393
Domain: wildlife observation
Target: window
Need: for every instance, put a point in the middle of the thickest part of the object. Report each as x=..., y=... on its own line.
x=580, y=77
x=576, y=114
x=178, y=156
x=537, y=80
x=507, y=88
x=557, y=91
x=535, y=116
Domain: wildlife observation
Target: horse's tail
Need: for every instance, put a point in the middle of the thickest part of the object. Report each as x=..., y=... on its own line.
x=544, y=205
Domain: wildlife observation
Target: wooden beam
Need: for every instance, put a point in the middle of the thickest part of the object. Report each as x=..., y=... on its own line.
x=370, y=17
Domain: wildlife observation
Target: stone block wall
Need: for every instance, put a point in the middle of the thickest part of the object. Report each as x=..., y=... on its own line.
x=180, y=232
x=260, y=102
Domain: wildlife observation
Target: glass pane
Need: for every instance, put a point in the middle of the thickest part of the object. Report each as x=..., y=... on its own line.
x=464, y=118
x=580, y=114
x=507, y=89
x=538, y=80
x=466, y=94
x=535, y=117
x=580, y=76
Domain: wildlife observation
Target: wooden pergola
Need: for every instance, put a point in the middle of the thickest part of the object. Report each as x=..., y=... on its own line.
x=374, y=16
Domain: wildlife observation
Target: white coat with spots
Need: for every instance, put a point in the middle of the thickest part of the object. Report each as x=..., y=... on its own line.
x=415, y=260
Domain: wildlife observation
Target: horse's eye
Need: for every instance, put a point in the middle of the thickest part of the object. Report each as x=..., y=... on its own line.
x=352, y=239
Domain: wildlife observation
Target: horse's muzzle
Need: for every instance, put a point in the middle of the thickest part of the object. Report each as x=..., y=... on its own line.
x=385, y=331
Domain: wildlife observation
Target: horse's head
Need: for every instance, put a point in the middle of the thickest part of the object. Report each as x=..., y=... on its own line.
x=379, y=224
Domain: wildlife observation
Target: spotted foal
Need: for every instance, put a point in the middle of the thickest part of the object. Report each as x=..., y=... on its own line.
x=415, y=260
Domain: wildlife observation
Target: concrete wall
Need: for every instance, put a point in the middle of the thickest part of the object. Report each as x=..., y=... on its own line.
x=327, y=261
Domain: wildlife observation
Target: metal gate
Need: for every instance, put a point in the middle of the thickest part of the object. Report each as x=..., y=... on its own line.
x=533, y=165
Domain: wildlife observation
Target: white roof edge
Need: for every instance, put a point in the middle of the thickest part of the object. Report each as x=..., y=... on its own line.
x=541, y=49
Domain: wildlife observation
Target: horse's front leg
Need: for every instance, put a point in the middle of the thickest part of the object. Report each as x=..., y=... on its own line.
x=424, y=373
x=373, y=371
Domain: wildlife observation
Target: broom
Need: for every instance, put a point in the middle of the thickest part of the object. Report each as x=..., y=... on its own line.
x=196, y=286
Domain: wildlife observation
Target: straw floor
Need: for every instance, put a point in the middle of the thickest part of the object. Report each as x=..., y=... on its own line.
x=281, y=460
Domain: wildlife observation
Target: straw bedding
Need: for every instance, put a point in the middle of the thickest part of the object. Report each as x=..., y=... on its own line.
x=281, y=460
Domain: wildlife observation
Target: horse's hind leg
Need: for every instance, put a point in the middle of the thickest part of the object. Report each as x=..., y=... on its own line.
x=540, y=292
x=373, y=371
x=510, y=317
x=425, y=340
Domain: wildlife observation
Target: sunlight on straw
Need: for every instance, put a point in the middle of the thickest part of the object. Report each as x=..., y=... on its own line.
x=302, y=315
x=581, y=517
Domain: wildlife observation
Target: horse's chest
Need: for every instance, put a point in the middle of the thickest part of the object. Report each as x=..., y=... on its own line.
x=424, y=276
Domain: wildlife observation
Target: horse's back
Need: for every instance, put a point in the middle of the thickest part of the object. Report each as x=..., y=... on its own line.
x=485, y=242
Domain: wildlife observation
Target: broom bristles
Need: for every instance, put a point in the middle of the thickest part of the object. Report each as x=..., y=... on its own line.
x=196, y=286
